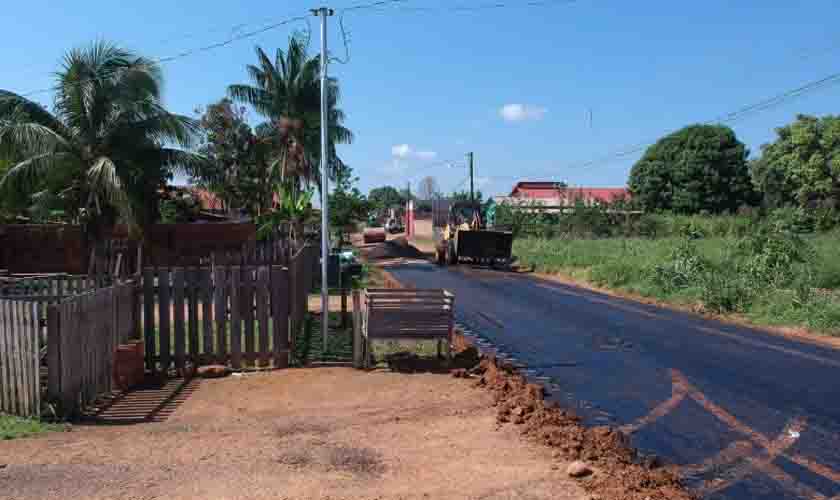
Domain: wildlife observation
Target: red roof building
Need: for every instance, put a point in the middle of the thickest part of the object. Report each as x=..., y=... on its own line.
x=558, y=194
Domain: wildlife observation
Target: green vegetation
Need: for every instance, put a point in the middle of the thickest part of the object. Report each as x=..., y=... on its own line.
x=105, y=150
x=802, y=167
x=701, y=168
x=768, y=276
x=12, y=427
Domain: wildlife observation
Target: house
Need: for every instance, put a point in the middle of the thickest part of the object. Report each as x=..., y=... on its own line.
x=558, y=194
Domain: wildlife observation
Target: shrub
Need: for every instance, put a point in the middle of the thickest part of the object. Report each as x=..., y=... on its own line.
x=773, y=258
x=684, y=266
x=723, y=294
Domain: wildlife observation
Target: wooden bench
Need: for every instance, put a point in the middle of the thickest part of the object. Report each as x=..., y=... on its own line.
x=407, y=314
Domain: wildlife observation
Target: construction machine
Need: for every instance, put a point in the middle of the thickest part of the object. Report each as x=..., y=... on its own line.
x=461, y=236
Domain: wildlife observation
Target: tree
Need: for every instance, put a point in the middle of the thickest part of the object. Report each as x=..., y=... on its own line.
x=347, y=204
x=236, y=169
x=287, y=91
x=698, y=168
x=386, y=197
x=105, y=149
x=465, y=196
x=428, y=188
x=803, y=165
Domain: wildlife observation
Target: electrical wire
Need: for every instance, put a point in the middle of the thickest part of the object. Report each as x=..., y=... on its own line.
x=186, y=53
x=731, y=117
x=474, y=8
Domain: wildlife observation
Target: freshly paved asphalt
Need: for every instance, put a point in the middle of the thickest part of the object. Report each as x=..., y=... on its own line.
x=746, y=414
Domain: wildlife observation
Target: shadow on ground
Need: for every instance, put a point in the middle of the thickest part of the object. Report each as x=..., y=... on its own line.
x=154, y=401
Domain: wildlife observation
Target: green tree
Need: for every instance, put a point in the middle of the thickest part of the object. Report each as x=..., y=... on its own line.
x=237, y=167
x=105, y=147
x=386, y=197
x=465, y=196
x=698, y=168
x=287, y=91
x=803, y=165
x=347, y=204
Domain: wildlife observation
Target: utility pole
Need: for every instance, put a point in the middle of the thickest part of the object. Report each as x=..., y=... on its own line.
x=323, y=12
x=472, y=187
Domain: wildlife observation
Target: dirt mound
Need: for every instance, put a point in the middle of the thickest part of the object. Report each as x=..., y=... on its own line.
x=398, y=248
x=620, y=472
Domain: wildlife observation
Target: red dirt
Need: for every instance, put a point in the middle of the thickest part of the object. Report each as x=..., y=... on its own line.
x=321, y=433
x=619, y=472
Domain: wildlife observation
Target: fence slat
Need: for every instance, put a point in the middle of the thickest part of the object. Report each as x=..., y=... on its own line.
x=165, y=305
x=248, y=311
x=5, y=361
x=262, y=314
x=53, y=353
x=149, y=316
x=192, y=306
x=206, y=313
x=235, y=317
x=220, y=306
x=17, y=362
x=178, y=316
x=280, y=315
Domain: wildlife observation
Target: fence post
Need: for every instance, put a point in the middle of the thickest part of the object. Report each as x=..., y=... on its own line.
x=358, y=348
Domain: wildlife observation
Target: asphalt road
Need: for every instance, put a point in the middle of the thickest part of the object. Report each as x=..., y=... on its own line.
x=746, y=414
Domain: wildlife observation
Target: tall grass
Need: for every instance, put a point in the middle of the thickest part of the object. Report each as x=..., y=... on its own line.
x=778, y=280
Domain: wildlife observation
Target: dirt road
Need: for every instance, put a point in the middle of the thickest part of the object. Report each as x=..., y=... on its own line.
x=745, y=413
x=328, y=433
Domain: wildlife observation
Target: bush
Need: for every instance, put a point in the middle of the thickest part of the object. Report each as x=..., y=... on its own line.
x=724, y=294
x=773, y=258
x=683, y=268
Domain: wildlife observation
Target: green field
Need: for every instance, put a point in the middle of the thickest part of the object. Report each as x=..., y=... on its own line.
x=769, y=282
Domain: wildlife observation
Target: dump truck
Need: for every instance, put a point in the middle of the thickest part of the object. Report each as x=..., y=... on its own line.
x=461, y=236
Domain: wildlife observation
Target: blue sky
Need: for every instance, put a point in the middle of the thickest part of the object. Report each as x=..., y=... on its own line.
x=516, y=85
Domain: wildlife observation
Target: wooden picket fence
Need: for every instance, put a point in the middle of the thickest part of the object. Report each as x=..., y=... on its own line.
x=49, y=289
x=241, y=315
x=20, y=383
x=83, y=334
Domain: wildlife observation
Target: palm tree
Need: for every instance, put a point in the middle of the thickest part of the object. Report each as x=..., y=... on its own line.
x=107, y=145
x=287, y=91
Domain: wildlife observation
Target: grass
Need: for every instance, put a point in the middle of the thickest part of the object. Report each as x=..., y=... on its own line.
x=630, y=265
x=12, y=427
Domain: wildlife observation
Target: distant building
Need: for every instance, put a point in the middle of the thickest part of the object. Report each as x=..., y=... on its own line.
x=558, y=194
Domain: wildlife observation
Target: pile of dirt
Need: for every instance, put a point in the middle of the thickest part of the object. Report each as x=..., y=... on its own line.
x=398, y=248
x=619, y=471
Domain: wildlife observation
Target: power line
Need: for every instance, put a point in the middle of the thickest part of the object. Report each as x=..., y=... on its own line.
x=474, y=8
x=731, y=117
x=186, y=53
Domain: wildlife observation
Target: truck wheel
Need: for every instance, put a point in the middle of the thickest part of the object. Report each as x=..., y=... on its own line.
x=452, y=255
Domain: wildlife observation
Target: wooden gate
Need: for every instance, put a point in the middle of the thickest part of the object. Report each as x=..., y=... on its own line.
x=20, y=385
x=83, y=334
x=237, y=314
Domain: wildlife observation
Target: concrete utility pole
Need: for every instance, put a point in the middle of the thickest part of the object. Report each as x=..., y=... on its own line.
x=323, y=12
x=472, y=187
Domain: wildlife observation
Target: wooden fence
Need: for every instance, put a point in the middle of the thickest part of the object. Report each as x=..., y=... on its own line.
x=20, y=392
x=242, y=315
x=49, y=289
x=83, y=334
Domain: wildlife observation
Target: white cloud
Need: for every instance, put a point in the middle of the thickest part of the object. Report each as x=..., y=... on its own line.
x=521, y=112
x=406, y=151
x=400, y=150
